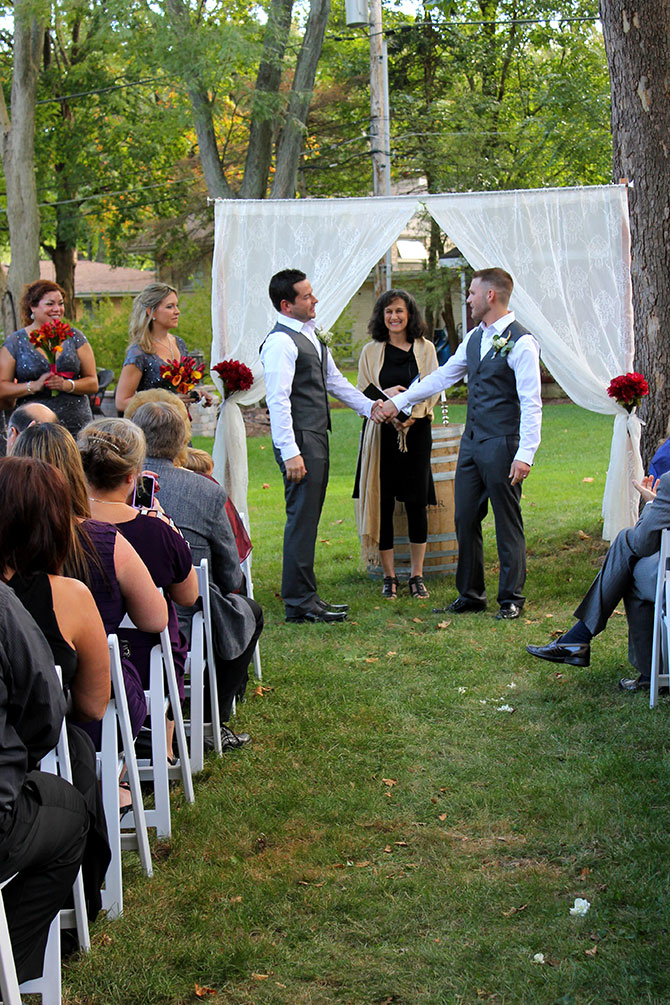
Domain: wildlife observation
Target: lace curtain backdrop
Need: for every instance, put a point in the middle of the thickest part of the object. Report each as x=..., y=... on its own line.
x=335, y=241
x=568, y=250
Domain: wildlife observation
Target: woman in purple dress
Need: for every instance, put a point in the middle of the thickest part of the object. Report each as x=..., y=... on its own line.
x=102, y=558
x=113, y=452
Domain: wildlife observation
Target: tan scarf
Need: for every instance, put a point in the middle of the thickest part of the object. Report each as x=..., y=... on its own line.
x=368, y=504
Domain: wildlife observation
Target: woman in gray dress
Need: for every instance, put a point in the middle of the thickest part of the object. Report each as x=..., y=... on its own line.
x=25, y=371
x=151, y=344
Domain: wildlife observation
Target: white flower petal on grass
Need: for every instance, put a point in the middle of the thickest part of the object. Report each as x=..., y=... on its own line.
x=482, y=701
x=505, y=708
x=462, y=690
x=514, y=685
x=581, y=907
x=538, y=958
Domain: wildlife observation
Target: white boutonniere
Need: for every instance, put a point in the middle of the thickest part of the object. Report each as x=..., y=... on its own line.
x=502, y=345
x=324, y=336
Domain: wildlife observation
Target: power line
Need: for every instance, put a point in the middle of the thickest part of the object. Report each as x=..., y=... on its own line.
x=442, y=25
x=109, y=195
x=102, y=90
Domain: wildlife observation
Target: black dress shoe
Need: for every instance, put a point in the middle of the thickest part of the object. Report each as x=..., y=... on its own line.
x=325, y=606
x=318, y=616
x=508, y=612
x=638, y=684
x=461, y=605
x=576, y=654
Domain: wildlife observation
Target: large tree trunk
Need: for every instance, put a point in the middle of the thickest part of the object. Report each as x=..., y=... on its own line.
x=292, y=134
x=263, y=117
x=201, y=105
x=637, y=41
x=18, y=156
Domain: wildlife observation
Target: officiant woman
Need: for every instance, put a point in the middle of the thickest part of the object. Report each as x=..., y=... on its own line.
x=65, y=391
x=394, y=458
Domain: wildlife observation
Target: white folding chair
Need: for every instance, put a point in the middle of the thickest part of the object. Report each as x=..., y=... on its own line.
x=201, y=659
x=9, y=985
x=246, y=569
x=110, y=770
x=660, y=654
x=157, y=770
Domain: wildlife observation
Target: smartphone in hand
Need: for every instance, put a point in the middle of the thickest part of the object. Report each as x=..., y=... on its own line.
x=145, y=489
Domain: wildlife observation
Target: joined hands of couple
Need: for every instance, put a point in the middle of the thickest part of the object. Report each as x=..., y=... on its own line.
x=384, y=410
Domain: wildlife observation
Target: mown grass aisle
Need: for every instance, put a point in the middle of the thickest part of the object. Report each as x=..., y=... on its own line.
x=392, y=834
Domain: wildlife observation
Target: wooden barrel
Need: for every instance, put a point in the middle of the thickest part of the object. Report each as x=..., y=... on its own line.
x=441, y=548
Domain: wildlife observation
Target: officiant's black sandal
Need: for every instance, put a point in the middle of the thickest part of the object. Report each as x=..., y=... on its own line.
x=417, y=588
x=390, y=588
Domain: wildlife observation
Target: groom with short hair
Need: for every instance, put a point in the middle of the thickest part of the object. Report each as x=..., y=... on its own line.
x=299, y=375
x=502, y=432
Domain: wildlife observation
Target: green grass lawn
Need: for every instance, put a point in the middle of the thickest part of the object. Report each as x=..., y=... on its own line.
x=391, y=835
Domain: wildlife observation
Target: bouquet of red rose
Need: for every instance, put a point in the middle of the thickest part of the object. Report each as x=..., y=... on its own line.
x=234, y=375
x=49, y=338
x=628, y=390
x=181, y=375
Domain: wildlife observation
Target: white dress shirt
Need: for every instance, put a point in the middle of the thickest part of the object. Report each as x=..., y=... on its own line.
x=524, y=360
x=278, y=356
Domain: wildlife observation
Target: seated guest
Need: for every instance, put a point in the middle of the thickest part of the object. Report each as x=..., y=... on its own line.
x=102, y=558
x=198, y=507
x=43, y=819
x=112, y=452
x=24, y=416
x=162, y=394
x=35, y=538
x=628, y=573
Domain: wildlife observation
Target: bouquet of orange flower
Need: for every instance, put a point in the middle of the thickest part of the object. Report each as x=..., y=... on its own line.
x=181, y=375
x=235, y=376
x=49, y=338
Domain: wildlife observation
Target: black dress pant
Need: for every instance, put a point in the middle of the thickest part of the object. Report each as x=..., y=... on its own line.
x=482, y=473
x=44, y=843
x=304, y=502
x=232, y=675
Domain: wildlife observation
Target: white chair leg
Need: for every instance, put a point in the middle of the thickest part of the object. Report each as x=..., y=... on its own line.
x=49, y=984
x=197, y=693
x=159, y=817
x=183, y=769
x=9, y=985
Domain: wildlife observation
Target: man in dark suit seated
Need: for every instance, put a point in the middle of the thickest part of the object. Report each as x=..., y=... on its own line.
x=198, y=507
x=43, y=819
x=628, y=573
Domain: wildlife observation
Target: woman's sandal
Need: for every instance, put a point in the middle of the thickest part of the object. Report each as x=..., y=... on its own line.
x=417, y=588
x=390, y=588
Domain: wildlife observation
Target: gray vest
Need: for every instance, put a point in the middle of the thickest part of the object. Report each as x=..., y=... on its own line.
x=309, y=397
x=493, y=402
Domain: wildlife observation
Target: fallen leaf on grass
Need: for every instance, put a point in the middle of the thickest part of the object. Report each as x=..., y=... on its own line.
x=362, y=865
x=260, y=977
x=442, y=816
x=388, y=849
x=556, y=634
x=587, y=479
x=390, y=781
x=235, y=900
x=103, y=939
x=514, y=910
x=391, y=654
x=306, y=882
x=401, y=844
x=372, y=659
x=389, y=794
x=443, y=624
x=322, y=540
x=583, y=536
x=202, y=992
x=417, y=621
x=266, y=485
x=584, y=873
x=337, y=521
x=262, y=690
x=591, y=952
x=279, y=985
x=620, y=613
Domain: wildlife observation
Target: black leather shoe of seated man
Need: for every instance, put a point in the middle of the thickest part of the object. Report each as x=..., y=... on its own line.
x=317, y=616
x=325, y=606
x=576, y=654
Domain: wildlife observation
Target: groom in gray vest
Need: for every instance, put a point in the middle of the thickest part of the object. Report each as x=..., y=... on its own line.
x=299, y=375
x=502, y=433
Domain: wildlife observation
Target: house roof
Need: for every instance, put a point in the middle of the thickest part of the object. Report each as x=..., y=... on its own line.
x=99, y=279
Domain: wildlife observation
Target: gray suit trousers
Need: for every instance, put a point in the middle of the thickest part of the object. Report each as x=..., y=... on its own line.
x=304, y=502
x=628, y=576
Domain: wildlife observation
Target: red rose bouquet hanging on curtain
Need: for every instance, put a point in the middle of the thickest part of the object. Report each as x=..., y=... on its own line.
x=49, y=338
x=628, y=390
x=181, y=375
x=235, y=376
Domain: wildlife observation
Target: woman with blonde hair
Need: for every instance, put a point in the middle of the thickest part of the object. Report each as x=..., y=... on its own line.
x=151, y=343
x=162, y=394
x=112, y=453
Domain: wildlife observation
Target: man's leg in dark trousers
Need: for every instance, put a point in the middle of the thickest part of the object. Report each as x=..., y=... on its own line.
x=495, y=458
x=611, y=585
x=44, y=844
x=471, y=507
x=304, y=502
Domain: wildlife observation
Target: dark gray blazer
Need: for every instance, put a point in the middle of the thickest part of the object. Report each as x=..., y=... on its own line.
x=197, y=506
